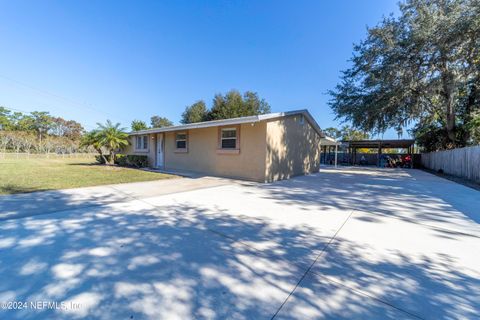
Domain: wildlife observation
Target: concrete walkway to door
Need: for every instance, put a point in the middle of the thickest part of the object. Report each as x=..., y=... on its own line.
x=346, y=243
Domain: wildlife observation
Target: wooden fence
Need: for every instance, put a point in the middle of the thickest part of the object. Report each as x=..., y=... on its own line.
x=463, y=162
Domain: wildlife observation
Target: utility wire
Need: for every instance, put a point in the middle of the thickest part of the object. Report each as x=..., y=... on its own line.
x=71, y=101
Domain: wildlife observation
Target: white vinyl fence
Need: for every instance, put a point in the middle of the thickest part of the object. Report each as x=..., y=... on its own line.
x=463, y=162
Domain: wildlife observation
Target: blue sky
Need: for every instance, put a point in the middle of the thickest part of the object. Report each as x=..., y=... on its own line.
x=124, y=60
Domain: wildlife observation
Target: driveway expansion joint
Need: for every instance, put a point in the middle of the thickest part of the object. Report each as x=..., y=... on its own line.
x=360, y=292
x=312, y=264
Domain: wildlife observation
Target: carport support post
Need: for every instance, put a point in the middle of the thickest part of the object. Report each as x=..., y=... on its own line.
x=379, y=154
x=336, y=154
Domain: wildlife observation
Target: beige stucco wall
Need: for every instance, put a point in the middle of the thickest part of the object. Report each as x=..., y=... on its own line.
x=202, y=155
x=269, y=150
x=150, y=152
x=292, y=148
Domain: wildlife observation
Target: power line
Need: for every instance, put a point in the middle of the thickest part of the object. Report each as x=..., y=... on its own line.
x=13, y=109
x=71, y=101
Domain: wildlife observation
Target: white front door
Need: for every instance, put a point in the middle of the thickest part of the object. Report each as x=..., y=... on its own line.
x=160, y=154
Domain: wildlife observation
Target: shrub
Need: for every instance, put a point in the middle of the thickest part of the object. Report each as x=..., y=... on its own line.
x=137, y=161
x=121, y=160
x=126, y=160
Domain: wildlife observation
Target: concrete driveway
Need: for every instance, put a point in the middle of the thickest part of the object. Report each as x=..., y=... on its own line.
x=347, y=243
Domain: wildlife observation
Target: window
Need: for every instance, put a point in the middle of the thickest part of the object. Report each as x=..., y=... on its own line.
x=181, y=140
x=229, y=138
x=141, y=142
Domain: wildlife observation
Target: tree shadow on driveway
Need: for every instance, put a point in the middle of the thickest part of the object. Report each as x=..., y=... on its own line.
x=131, y=260
x=410, y=243
x=409, y=195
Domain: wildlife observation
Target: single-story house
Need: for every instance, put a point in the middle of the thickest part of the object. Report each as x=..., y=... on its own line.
x=262, y=148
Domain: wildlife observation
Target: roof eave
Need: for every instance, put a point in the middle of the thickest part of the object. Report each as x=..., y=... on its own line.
x=234, y=121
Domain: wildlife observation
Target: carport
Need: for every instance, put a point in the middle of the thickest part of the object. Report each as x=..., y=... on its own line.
x=329, y=150
x=353, y=146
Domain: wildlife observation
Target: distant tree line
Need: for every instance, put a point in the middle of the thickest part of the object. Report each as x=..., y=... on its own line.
x=346, y=133
x=233, y=104
x=155, y=122
x=420, y=69
x=38, y=132
x=224, y=106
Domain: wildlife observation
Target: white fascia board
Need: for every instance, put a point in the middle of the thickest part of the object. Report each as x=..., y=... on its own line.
x=198, y=125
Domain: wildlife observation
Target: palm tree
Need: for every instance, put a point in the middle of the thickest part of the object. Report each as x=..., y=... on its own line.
x=91, y=139
x=112, y=137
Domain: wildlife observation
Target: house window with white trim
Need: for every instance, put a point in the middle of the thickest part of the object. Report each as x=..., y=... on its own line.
x=229, y=138
x=141, y=143
x=181, y=141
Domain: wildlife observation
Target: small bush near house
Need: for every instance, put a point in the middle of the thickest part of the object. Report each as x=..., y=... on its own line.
x=126, y=160
x=121, y=160
x=134, y=161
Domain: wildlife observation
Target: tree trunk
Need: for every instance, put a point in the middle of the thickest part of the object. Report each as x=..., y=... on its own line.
x=99, y=150
x=447, y=88
x=469, y=108
x=451, y=120
x=112, y=157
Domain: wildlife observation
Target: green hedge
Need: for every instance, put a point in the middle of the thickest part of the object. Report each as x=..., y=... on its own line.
x=136, y=161
x=126, y=160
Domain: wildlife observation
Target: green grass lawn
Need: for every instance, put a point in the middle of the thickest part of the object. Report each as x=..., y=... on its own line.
x=27, y=175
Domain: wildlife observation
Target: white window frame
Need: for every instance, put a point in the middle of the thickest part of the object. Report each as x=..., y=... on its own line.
x=177, y=149
x=141, y=143
x=229, y=138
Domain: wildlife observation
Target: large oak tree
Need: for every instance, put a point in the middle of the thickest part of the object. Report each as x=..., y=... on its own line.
x=422, y=68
